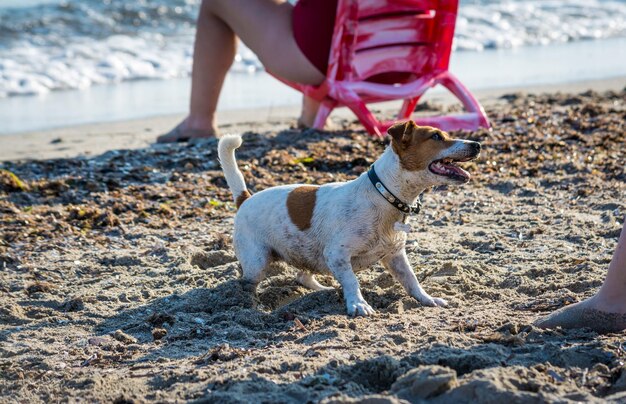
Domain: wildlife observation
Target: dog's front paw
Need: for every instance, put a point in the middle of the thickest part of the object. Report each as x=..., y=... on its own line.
x=439, y=302
x=432, y=301
x=359, y=308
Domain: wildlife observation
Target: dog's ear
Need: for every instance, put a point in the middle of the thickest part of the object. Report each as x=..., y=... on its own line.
x=401, y=133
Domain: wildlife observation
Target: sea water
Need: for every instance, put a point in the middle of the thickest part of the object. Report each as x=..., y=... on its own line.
x=75, y=51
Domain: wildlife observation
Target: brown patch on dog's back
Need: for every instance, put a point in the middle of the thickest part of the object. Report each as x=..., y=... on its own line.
x=300, y=205
x=415, y=145
x=241, y=198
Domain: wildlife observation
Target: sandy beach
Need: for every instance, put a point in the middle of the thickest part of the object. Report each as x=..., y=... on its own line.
x=119, y=282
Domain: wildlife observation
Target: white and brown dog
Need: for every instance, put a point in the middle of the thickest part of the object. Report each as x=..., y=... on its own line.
x=345, y=227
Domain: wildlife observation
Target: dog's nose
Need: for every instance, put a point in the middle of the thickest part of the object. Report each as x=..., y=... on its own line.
x=476, y=147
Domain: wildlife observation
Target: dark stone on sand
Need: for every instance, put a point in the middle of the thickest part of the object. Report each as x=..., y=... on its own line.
x=159, y=333
x=511, y=97
x=75, y=304
x=124, y=338
x=158, y=319
x=38, y=287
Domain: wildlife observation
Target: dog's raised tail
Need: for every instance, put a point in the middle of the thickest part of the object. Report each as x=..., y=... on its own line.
x=226, y=152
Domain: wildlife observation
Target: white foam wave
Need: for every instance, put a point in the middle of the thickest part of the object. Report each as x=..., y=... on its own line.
x=514, y=24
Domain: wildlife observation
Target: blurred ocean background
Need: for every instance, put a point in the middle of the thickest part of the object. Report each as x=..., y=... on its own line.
x=66, y=62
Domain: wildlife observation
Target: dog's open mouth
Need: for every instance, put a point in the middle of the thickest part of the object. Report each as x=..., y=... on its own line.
x=447, y=168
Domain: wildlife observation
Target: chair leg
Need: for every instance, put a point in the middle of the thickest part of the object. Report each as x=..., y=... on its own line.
x=408, y=106
x=470, y=103
x=325, y=108
x=369, y=121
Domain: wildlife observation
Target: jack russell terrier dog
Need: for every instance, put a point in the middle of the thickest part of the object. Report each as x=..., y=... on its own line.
x=345, y=227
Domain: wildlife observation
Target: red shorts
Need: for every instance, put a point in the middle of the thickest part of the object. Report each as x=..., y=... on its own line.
x=313, y=24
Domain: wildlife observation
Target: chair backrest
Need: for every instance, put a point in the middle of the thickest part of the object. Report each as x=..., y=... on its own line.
x=374, y=37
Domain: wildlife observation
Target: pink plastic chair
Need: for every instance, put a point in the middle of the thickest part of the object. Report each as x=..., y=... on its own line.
x=403, y=42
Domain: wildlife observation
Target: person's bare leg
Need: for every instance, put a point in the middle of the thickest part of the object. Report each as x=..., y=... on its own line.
x=612, y=294
x=214, y=50
x=216, y=45
x=606, y=310
x=265, y=27
x=309, y=112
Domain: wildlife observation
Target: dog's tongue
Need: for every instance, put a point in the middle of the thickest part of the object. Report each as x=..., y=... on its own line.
x=458, y=171
x=449, y=170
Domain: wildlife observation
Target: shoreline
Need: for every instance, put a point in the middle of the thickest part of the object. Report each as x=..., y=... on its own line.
x=93, y=139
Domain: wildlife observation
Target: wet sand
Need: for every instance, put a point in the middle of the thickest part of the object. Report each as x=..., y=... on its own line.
x=119, y=282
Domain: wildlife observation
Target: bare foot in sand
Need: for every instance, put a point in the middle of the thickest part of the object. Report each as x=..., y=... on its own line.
x=604, y=312
x=591, y=313
x=189, y=129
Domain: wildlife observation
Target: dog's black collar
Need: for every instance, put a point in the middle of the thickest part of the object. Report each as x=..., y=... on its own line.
x=390, y=197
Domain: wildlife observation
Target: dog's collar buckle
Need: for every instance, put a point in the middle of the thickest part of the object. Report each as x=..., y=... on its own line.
x=390, y=197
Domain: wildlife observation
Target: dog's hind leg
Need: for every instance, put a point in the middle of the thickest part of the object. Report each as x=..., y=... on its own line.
x=254, y=259
x=308, y=280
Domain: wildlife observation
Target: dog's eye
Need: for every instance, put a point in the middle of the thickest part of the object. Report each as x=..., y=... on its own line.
x=436, y=136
